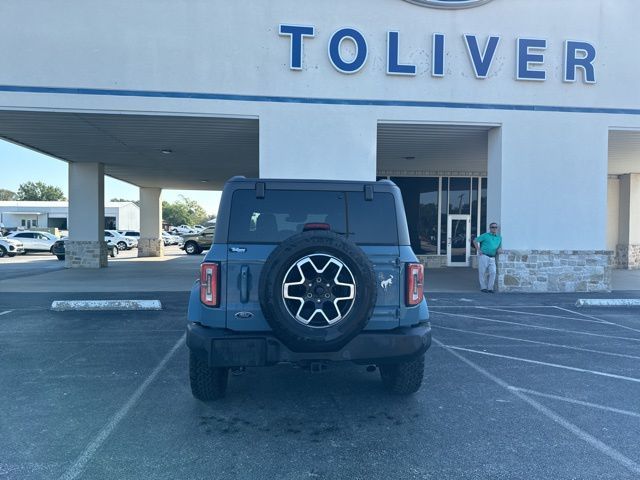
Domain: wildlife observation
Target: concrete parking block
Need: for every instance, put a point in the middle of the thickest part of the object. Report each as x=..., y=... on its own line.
x=608, y=302
x=63, y=305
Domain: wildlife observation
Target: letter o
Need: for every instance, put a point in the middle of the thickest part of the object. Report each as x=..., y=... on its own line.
x=334, y=50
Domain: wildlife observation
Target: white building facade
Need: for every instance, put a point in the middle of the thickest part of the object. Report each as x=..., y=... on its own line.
x=523, y=113
x=24, y=215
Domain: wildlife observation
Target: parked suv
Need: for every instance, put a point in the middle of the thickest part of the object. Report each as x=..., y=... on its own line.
x=34, y=241
x=308, y=272
x=123, y=243
x=195, y=243
x=10, y=247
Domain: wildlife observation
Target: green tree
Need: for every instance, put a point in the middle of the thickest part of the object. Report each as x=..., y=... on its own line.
x=39, y=191
x=7, y=194
x=184, y=211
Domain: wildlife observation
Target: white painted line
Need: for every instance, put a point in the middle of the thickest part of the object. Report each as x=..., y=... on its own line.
x=559, y=345
x=546, y=364
x=601, y=320
x=4, y=313
x=564, y=317
x=431, y=304
x=577, y=431
x=577, y=402
x=93, y=305
x=537, y=326
x=608, y=302
x=76, y=469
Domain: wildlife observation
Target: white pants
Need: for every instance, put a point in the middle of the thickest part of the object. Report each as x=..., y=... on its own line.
x=486, y=267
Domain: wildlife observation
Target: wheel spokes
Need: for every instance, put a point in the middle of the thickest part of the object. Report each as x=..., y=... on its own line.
x=318, y=290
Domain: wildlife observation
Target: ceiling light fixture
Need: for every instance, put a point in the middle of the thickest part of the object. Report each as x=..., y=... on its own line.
x=409, y=158
x=166, y=151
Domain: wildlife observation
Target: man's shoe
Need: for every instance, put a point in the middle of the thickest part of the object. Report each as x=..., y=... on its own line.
x=490, y=291
x=484, y=290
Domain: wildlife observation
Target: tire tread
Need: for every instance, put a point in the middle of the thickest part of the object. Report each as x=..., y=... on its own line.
x=207, y=383
x=403, y=378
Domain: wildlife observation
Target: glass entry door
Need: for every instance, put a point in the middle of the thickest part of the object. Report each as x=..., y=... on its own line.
x=458, y=240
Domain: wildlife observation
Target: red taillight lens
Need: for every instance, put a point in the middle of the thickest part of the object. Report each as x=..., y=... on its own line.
x=415, y=283
x=209, y=284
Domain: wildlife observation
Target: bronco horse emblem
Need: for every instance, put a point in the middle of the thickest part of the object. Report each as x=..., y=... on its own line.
x=386, y=283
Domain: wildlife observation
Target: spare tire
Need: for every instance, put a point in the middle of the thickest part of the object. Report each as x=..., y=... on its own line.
x=317, y=291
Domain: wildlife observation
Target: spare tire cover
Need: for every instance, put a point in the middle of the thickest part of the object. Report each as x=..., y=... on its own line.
x=317, y=291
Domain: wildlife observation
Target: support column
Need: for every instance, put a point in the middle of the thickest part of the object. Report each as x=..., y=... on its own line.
x=86, y=247
x=628, y=247
x=150, y=243
x=551, y=203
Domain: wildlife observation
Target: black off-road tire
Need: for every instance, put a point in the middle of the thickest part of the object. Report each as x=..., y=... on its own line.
x=192, y=248
x=122, y=246
x=3, y=251
x=403, y=378
x=301, y=337
x=207, y=383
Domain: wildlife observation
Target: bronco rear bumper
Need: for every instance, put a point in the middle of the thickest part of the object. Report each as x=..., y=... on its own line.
x=221, y=347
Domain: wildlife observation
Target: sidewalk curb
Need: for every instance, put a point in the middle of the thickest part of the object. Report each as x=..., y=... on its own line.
x=608, y=302
x=98, y=305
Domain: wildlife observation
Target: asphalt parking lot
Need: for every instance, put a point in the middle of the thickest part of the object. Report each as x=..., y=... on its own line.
x=517, y=386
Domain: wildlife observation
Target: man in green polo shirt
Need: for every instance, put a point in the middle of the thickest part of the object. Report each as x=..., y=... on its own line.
x=488, y=246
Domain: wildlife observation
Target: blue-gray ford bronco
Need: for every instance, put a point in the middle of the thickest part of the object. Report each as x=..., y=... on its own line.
x=308, y=272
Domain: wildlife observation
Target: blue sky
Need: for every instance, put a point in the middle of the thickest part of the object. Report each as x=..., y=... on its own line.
x=19, y=165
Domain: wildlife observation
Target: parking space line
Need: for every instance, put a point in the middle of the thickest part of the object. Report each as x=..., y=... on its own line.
x=577, y=431
x=537, y=326
x=541, y=314
x=546, y=364
x=601, y=320
x=78, y=466
x=559, y=345
x=4, y=313
x=577, y=402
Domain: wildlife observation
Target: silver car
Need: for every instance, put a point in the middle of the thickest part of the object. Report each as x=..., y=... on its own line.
x=34, y=241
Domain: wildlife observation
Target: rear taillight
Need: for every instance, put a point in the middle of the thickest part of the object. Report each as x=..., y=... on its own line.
x=415, y=283
x=209, y=284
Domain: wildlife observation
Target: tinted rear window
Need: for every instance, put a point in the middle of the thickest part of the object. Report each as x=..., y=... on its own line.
x=372, y=222
x=283, y=213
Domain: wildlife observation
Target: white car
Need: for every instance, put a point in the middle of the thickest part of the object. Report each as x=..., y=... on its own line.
x=169, y=239
x=182, y=229
x=34, y=241
x=123, y=243
x=10, y=247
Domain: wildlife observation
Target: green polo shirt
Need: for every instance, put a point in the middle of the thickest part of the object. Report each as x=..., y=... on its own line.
x=489, y=243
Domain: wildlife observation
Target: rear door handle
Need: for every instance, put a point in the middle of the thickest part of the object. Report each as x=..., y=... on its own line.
x=244, y=284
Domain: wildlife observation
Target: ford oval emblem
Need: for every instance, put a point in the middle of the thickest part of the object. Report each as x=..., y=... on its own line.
x=448, y=3
x=244, y=315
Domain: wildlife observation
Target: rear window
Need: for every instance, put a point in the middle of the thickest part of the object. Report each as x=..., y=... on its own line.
x=283, y=213
x=372, y=222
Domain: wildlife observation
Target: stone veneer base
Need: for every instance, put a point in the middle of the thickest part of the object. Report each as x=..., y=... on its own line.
x=150, y=247
x=555, y=271
x=628, y=257
x=85, y=254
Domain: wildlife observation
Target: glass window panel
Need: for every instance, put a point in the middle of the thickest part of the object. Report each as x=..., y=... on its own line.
x=483, y=206
x=474, y=212
x=459, y=191
x=443, y=214
x=428, y=216
x=420, y=198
